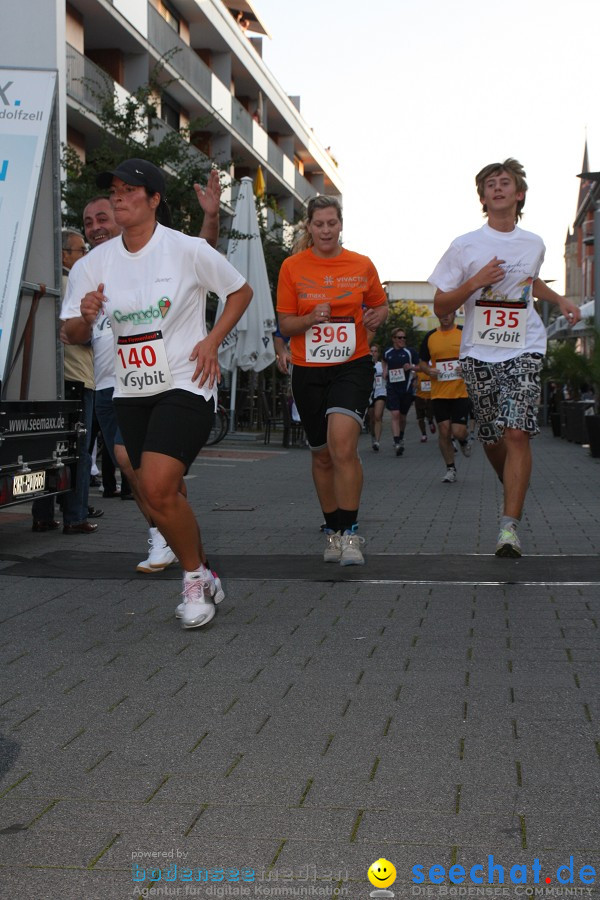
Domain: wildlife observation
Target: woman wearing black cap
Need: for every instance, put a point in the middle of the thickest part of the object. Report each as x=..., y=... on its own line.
x=152, y=282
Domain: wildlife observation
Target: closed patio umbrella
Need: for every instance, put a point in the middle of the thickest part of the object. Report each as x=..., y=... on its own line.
x=250, y=345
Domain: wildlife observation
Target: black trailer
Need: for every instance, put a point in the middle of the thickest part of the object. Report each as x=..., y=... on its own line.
x=40, y=429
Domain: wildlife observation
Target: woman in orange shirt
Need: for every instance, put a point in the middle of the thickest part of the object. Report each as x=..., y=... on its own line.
x=327, y=299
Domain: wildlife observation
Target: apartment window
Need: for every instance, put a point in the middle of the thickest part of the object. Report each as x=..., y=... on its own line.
x=169, y=111
x=169, y=14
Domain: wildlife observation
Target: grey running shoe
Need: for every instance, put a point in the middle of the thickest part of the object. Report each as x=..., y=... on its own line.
x=508, y=544
x=351, y=554
x=333, y=547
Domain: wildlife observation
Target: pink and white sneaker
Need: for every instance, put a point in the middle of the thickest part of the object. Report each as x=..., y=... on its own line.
x=212, y=593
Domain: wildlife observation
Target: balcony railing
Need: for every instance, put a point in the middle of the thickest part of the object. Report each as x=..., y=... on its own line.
x=241, y=120
x=185, y=61
x=86, y=82
x=275, y=156
x=303, y=187
x=161, y=130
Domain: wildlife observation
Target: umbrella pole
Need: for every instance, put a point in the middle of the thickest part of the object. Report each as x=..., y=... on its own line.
x=232, y=394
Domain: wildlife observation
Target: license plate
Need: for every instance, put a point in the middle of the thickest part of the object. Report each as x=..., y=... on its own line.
x=28, y=483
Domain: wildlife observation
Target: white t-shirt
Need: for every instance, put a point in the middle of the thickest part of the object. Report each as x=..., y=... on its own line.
x=103, y=346
x=500, y=320
x=156, y=303
x=379, y=387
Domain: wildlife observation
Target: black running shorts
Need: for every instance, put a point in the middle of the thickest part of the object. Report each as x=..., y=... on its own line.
x=321, y=390
x=175, y=423
x=454, y=410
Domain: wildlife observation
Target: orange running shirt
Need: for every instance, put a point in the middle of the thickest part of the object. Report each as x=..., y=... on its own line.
x=423, y=388
x=347, y=282
x=441, y=348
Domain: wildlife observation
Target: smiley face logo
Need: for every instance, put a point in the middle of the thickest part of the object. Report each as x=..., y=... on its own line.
x=381, y=873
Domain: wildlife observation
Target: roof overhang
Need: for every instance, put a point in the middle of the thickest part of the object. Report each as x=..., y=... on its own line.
x=256, y=26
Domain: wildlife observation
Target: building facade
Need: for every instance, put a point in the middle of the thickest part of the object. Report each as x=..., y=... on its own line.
x=212, y=71
x=579, y=245
x=580, y=262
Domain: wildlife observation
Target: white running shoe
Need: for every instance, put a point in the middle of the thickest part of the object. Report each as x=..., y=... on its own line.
x=449, y=477
x=213, y=589
x=423, y=438
x=333, y=547
x=351, y=554
x=198, y=607
x=465, y=448
x=160, y=555
x=508, y=544
x=375, y=446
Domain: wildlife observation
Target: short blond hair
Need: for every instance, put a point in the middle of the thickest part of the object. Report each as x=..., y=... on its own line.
x=513, y=168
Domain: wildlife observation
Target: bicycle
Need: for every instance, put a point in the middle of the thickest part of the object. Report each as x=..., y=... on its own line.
x=220, y=426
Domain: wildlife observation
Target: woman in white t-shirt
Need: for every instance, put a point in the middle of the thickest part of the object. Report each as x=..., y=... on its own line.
x=152, y=282
x=377, y=401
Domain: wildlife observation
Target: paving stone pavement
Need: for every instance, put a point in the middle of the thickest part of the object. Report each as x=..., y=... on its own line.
x=315, y=725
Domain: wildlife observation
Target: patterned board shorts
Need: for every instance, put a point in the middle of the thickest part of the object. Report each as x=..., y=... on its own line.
x=504, y=394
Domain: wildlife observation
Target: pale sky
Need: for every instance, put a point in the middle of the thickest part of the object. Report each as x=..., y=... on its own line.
x=414, y=97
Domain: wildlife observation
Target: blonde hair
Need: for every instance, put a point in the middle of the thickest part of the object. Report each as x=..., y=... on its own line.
x=303, y=240
x=513, y=168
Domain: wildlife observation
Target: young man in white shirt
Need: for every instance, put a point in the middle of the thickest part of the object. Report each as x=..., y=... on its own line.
x=494, y=273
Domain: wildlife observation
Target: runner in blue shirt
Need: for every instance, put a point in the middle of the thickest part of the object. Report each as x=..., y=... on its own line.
x=399, y=364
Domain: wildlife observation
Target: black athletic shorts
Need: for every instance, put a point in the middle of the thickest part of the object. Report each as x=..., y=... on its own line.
x=320, y=390
x=448, y=410
x=399, y=400
x=175, y=423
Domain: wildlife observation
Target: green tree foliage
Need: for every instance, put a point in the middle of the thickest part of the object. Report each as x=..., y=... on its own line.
x=566, y=366
x=401, y=316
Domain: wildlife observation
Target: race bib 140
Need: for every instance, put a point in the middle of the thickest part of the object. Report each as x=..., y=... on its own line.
x=141, y=364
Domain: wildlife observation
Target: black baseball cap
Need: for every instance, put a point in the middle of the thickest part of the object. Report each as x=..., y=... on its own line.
x=138, y=172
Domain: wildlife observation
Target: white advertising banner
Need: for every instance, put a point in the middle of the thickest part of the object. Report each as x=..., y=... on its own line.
x=26, y=103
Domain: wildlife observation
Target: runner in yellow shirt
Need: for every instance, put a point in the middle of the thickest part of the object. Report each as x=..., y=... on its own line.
x=439, y=360
x=423, y=407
